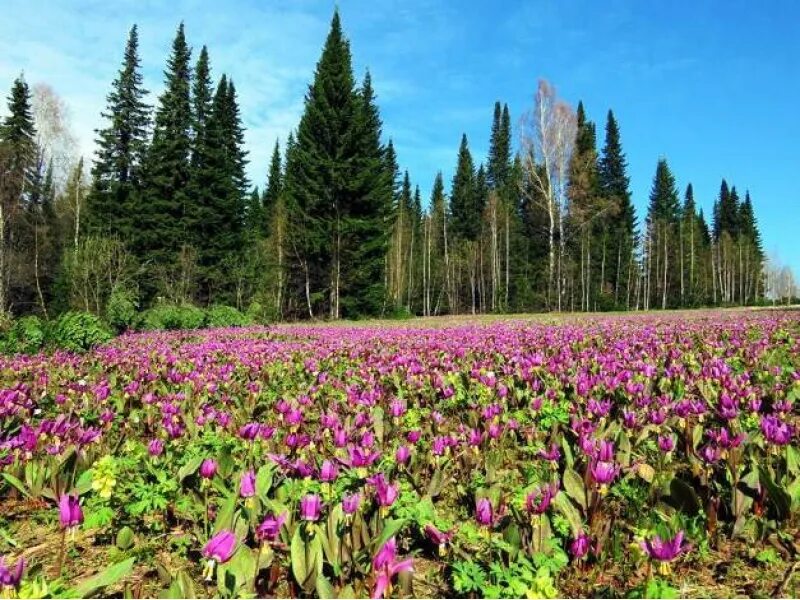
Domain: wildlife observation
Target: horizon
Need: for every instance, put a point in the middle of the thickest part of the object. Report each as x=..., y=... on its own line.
x=672, y=99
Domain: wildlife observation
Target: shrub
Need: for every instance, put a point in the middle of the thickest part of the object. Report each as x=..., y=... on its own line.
x=25, y=335
x=226, y=316
x=170, y=317
x=79, y=331
x=121, y=309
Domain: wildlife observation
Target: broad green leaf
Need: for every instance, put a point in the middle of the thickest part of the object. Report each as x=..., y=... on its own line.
x=105, y=578
x=390, y=528
x=190, y=467
x=574, y=487
x=17, y=484
x=564, y=505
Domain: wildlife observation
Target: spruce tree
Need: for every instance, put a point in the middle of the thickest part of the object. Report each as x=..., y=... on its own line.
x=274, y=184
x=464, y=218
x=113, y=203
x=499, y=162
x=339, y=193
x=664, y=203
x=161, y=226
x=198, y=201
x=613, y=177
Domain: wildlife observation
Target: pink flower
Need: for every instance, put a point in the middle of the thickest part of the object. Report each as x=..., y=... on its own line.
x=580, y=546
x=270, y=528
x=70, y=513
x=247, y=484
x=351, y=503
x=11, y=577
x=328, y=472
x=386, y=566
x=484, y=513
x=310, y=507
x=208, y=468
x=220, y=547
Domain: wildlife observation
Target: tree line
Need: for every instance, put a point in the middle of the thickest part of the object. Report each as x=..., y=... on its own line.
x=167, y=213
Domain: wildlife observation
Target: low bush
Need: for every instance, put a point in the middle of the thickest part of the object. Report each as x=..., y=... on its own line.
x=220, y=315
x=26, y=335
x=121, y=309
x=79, y=331
x=171, y=317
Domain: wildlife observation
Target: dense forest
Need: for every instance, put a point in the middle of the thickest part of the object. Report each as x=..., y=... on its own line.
x=166, y=213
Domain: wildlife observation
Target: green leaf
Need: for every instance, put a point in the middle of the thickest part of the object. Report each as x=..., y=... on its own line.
x=390, y=528
x=792, y=460
x=574, y=487
x=226, y=513
x=105, y=578
x=125, y=538
x=297, y=551
x=324, y=587
x=566, y=508
x=17, y=484
x=190, y=467
x=84, y=482
x=779, y=497
x=683, y=497
x=264, y=480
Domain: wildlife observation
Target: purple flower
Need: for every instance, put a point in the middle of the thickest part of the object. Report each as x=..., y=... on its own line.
x=386, y=566
x=603, y=473
x=666, y=443
x=776, y=431
x=665, y=551
x=484, y=513
x=208, y=468
x=351, y=503
x=387, y=493
x=402, y=455
x=11, y=577
x=155, y=447
x=538, y=501
x=328, y=472
x=220, y=547
x=440, y=538
x=247, y=484
x=70, y=513
x=310, y=507
x=580, y=546
x=249, y=431
x=270, y=528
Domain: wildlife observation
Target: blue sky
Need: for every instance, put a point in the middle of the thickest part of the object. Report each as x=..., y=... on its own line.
x=711, y=86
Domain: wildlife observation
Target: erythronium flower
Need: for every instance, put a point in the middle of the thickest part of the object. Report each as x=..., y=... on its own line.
x=386, y=566
x=665, y=551
x=218, y=549
x=484, y=513
x=247, y=484
x=328, y=472
x=155, y=447
x=603, y=473
x=70, y=513
x=310, y=507
x=387, y=493
x=440, y=538
x=351, y=503
x=580, y=546
x=538, y=501
x=666, y=443
x=402, y=455
x=776, y=431
x=270, y=528
x=208, y=468
x=10, y=577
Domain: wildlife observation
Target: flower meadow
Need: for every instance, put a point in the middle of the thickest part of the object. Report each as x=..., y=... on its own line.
x=622, y=456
